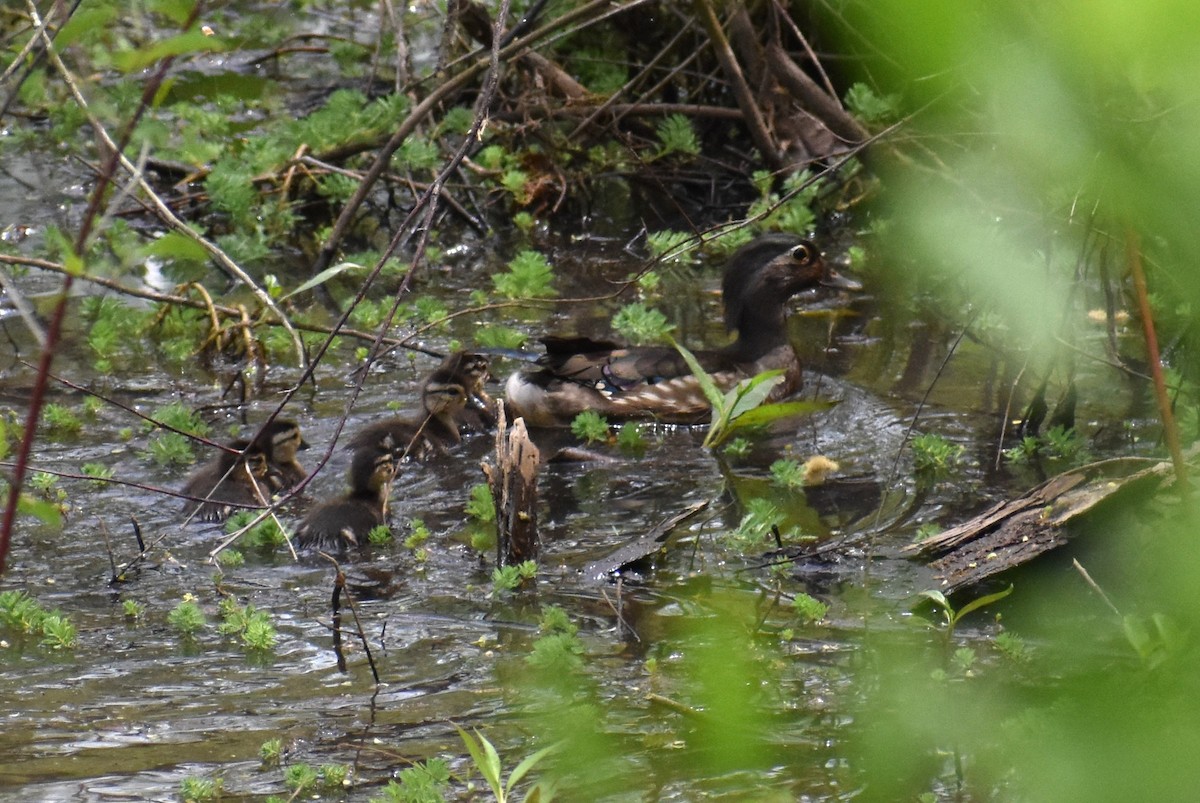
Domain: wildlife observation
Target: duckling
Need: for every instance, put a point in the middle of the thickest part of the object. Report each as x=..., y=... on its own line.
x=229, y=481
x=472, y=371
x=443, y=399
x=280, y=441
x=577, y=374
x=345, y=522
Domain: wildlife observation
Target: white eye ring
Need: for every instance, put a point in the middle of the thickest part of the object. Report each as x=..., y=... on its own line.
x=802, y=253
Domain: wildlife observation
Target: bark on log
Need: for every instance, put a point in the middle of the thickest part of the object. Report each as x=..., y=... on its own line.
x=1014, y=532
x=513, y=483
x=813, y=98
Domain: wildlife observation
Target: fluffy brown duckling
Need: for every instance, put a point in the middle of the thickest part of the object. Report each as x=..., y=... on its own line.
x=471, y=371
x=335, y=526
x=229, y=481
x=443, y=399
x=280, y=441
x=577, y=373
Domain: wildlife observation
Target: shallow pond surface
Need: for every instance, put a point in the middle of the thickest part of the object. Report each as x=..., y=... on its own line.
x=135, y=708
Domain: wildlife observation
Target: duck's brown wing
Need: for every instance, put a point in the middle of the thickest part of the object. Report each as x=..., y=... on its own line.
x=617, y=369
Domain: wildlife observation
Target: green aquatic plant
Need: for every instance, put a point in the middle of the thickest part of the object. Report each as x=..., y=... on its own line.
x=60, y=420
x=790, y=210
x=737, y=448
x=333, y=776
x=500, y=337
x=187, y=617
x=265, y=535
x=487, y=762
x=509, y=578
x=57, y=632
x=418, y=534
x=809, y=608
x=787, y=473
x=631, y=438
x=300, y=777
x=952, y=616
x=871, y=107
x=591, y=427
x=97, y=470
x=677, y=247
x=270, y=752
x=195, y=789
x=640, y=324
x=745, y=404
x=1013, y=647
x=529, y=275
x=933, y=454
x=423, y=782
x=251, y=624
x=230, y=558
x=132, y=609
x=558, y=648
x=760, y=521
x=480, y=505
x=171, y=448
x=380, y=535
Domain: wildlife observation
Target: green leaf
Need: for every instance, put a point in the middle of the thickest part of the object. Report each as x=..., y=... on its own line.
x=711, y=391
x=323, y=277
x=525, y=766
x=483, y=759
x=750, y=393
x=190, y=42
x=48, y=512
x=174, y=245
x=937, y=598
x=87, y=19
x=767, y=413
x=177, y=11
x=979, y=602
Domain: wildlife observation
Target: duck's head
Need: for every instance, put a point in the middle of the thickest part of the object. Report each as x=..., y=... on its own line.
x=280, y=441
x=443, y=396
x=372, y=469
x=252, y=457
x=470, y=370
x=763, y=274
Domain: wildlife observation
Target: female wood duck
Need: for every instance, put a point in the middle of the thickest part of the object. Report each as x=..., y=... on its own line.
x=229, y=481
x=280, y=441
x=454, y=400
x=345, y=522
x=577, y=374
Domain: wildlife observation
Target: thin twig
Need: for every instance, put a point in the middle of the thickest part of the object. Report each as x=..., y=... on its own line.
x=1133, y=253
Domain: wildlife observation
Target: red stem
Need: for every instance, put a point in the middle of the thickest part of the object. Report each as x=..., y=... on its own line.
x=1133, y=252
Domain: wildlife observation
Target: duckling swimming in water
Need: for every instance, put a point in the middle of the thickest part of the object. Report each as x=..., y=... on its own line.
x=280, y=441
x=229, y=481
x=444, y=399
x=342, y=523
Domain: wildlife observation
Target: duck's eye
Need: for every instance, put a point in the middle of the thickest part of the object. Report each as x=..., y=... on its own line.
x=803, y=253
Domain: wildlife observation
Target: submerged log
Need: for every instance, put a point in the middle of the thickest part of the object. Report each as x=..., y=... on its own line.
x=641, y=547
x=513, y=483
x=1016, y=531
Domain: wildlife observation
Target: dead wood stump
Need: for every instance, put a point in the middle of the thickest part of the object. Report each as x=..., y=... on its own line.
x=513, y=483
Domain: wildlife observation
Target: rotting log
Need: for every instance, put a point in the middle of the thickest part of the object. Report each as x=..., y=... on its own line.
x=513, y=483
x=1014, y=532
x=641, y=547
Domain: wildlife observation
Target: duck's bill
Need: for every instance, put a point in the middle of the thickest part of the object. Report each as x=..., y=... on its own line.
x=839, y=282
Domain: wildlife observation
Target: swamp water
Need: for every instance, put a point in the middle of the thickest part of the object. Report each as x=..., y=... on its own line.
x=134, y=707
